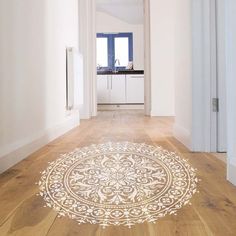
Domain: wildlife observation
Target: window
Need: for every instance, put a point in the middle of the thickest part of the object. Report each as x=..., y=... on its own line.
x=102, y=52
x=114, y=50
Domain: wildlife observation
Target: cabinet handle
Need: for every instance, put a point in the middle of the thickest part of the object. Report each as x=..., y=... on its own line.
x=107, y=82
x=111, y=82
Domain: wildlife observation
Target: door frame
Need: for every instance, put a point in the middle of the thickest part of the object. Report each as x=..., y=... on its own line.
x=87, y=47
x=221, y=76
x=147, y=59
x=230, y=36
x=204, y=76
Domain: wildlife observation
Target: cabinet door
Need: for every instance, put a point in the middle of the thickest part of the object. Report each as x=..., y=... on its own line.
x=103, y=96
x=135, y=88
x=118, y=91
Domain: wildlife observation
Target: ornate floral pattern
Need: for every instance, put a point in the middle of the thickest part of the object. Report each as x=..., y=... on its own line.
x=118, y=183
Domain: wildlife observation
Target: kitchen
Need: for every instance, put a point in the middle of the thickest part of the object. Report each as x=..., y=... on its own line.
x=120, y=54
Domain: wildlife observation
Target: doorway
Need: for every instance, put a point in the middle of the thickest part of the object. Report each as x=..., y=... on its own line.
x=122, y=73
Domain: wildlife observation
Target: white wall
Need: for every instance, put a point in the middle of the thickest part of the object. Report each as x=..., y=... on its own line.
x=34, y=36
x=162, y=39
x=107, y=23
x=183, y=72
x=231, y=85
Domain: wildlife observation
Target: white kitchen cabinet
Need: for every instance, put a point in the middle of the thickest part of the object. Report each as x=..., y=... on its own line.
x=111, y=89
x=103, y=89
x=117, y=89
x=135, y=89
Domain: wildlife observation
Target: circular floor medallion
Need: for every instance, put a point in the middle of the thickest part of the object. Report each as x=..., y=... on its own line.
x=118, y=184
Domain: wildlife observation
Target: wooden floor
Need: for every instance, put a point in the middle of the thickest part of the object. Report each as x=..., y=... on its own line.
x=213, y=210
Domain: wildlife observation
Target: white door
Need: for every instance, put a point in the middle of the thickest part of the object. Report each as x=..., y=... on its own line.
x=117, y=89
x=103, y=92
x=135, y=88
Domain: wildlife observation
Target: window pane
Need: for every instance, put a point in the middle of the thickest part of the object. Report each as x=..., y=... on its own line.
x=102, y=52
x=122, y=51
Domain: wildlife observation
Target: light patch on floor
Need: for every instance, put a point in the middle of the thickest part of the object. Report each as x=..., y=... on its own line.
x=221, y=156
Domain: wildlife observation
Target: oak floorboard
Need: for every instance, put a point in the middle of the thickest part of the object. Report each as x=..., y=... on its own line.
x=30, y=218
x=213, y=209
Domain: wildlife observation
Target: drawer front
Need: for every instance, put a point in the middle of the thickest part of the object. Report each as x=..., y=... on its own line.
x=117, y=89
x=135, y=89
x=103, y=89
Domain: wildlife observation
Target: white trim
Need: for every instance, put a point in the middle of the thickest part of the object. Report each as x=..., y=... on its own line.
x=19, y=151
x=221, y=78
x=120, y=107
x=204, y=76
x=87, y=47
x=147, y=59
x=230, y=37
x=213, y=74
x=183, y=135
x=231, y=173
x=155, y=113
x=93, y=65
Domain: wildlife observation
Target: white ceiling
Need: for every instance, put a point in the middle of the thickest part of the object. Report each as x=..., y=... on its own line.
x=130, y=11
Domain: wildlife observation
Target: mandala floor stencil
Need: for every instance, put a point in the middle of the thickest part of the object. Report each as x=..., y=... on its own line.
x=118, y=184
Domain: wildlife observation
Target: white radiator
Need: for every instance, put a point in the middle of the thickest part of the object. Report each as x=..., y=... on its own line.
x=74, y=79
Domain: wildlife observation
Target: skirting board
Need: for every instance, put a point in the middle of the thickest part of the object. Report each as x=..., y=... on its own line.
x=120, y=107
x=231, y=174
x=12, y=158
x=162, y=114
x=183, y=136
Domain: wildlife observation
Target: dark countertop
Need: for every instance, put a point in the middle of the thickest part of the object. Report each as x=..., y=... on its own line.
x=121, y=72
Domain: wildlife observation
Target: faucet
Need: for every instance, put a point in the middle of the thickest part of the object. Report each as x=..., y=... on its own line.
x=117, y=61
x=99, y=67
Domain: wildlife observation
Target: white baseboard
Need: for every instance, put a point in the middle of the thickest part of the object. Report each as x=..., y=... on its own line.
x=20, y=152
x=156, y=113
x=231, y=173
x=111, y=107
x=183, y=135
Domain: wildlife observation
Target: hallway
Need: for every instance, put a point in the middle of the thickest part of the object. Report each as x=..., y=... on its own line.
x=212, y=210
